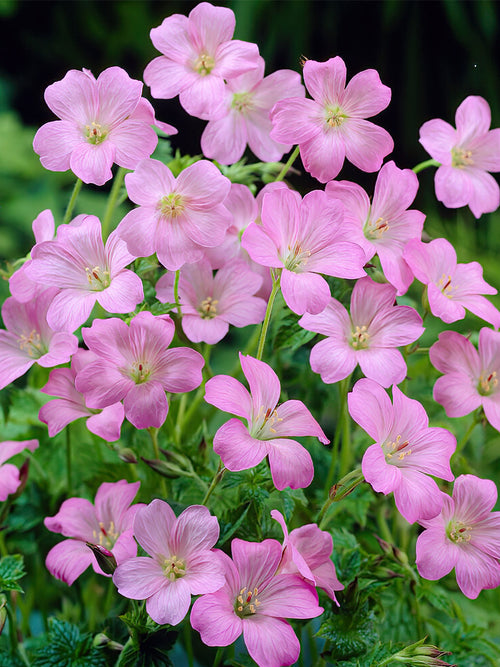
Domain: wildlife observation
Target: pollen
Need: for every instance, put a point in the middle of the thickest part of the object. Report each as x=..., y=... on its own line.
x=98, y=278
x=246, y=602
x=488, y=383
x=297, y=258
x=107, y=535
x=204, y=64
x=445, y=284
x=375, y=229
x=208, y=308
x=171, y=205
x=139, y=372
x=360, y=338
x=174, y=567
x=95, y=133
x=31, y=343
x=458, y=532
x=396, y=450
x=334, y=116
x=461, y=158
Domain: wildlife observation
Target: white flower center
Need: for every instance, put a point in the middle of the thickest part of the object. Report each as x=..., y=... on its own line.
x=246, y=603
x=208, y=308
x=461, y=158
x=174, y=568
x=98, y=278
x=360, y=338
x=32, y=344
x=488, y=383
x=171, y=205
x=395, y=451
x=95, y=133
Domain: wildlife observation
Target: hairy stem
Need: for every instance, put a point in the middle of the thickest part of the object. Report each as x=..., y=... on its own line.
x=267, y=318
x=288, y=164
x=72, y=201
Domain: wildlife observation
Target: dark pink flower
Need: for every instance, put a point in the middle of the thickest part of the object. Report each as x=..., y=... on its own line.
x=368, y=336
x=254, y=602
x=466, y=155
x=464, y=536
x=108, y=524
x=9, y=473
x=406, y=450
x=102, y=121
x=134, y=365
x=269, y=425
x=182, y=561
x=332, y=126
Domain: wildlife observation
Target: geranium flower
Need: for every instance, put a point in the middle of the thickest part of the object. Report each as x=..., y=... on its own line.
x=305, y=238
x=466, y=155
x=9, y=473
x=451, y=287
x=198, y=55
x=102, y=121
x=332, y=126
x=269, y=425
x=210, y=304
x=108, y=523
x=464, y=536
x=86, y=271
x=470, y=376
x=183, y=562
x=406, y=450
x=383, y=226
x=177, y=217
x=248, y=101
x=368, y=336
x=70, y=404
x=134, y=365
x=255, y=601
x=29, y=339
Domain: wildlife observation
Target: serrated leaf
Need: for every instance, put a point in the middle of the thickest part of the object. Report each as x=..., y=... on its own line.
x=8, y=659
x=11, y=569
x=67, y=647
x=230, y=528
x=350, y=634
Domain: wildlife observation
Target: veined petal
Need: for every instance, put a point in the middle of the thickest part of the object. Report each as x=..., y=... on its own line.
x=229, y=395
x=291, y=464
x=264, y=384
x=270, y=641
x=68, y=559
x=236, y=447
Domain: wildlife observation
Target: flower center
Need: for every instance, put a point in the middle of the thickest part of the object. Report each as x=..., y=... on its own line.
x=458, y=532
x=446, y=286
x=487, y=384
x=395, y=450
x=174, y=568
x=242, y=102
x=461, y=158
x=263, y=425
x=98, y=278
x=172, y=205
x=297, y=258
x=95, y=133
x=204, y=64
x=374, y=229
x=360, y=338
x=334, y=116
x=208, y=308
x=140, y=372
x=106, y=536
x=32, y=344
x=246, y=603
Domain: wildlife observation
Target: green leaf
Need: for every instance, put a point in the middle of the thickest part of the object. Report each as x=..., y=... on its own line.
x=350, y=634
x=11, y=570
x=8, y=659
x=67, y=647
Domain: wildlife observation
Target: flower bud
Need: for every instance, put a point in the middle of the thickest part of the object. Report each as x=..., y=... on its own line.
x=104, y=557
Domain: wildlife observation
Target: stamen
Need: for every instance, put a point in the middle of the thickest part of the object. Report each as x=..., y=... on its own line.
x=393, y=447
x=360, y=338
x=95, y=133
x=376, y=229
x=174, y=568
x=297, y=258
x=461, y=158
x=171, y=205
x=98, y=278
x=246, y=603
x=334, y=116
x=208, y=308
x=204, y=64
x=31, y=343
x=487, y=385
x=446, y=285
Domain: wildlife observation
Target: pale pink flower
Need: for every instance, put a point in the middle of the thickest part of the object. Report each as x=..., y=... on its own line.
x=465, y=536
x=134, y=365
x=470, y=377
x=406, y=450
x=466, y=155
x=269, y=425
x=108, y=523
x=70, y=404
x=248, y=102
x=182, y=561
x=254, y=602
x=451, y=287
x=29, y=339
x=332, y=126
x=305, y=238
x=383, y=226
x=368, y=336
x=209, y=304
x=177, y=217
x=198, y=55
x=103, y=121
x=307, y=551
x=86, y=271
x=9, y=473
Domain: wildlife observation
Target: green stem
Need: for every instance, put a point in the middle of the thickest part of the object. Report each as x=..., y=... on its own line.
x=339, y=491
x=343, y=386
x=153, y=434
x=71, y=204
x=180, y=419
x=218, y=656
x=176, y=293
x=468, y=433
x=68, y=458
x=423, y=165
x=112, y=200
x=288, y=164
x=267, y=318
x=188, y=644
x=216, y=479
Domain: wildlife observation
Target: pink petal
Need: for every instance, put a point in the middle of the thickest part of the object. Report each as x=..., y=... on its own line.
x=264, y=384
x=365, y=95
x=76, y=518
x=304, y=292
x=153, y=526
x=92, y=162
x=195, y=530
x=9, y=480
x=270, y=641
x=146, y=405
x=366, y=144
x=229, y=395
x=417, y=496
x=383, y=476
x=68, y=560
x=333, y=360
x=139, y=578
x=436, y=555
x=54, y=142
x=325, y=81
x=107, y=424
x=113, y=500
x=295, y=420
x=371, y=408
x=133, y=141
x=476, y=571
x=237, y=449
x=170, y=603
x=291, y=464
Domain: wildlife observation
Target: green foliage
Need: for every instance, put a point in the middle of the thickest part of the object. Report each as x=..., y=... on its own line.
x=11, y=570
x=149, y=644
x=68, y=647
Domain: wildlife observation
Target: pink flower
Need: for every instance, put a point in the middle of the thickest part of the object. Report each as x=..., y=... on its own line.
x=268, y=425
x=248, y=101
x=451, y=287
x=470, y=376
x=332, y=126
x=466, y=155
x=70, y=405
x=29, y=339
x=303, y=237
x=406, y=449
x=198, y=55
x=383, y=226
x=183, y=562
x=135, y=366
x=254, y=601
x=465, y=536
x=9, y=473
x=307, y=551
x=86, y=271
x=210, y=304
x=102, y=121
x=176, y=218
x=108, y=524
x=368, y=336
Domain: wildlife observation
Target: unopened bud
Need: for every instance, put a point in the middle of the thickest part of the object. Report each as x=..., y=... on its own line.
x=23, y=478
x=164, y=468
x=104, y=557
x=102, y=640
x=183, y=462
x=127, y=455
x=422, y=654
x=3, y=612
